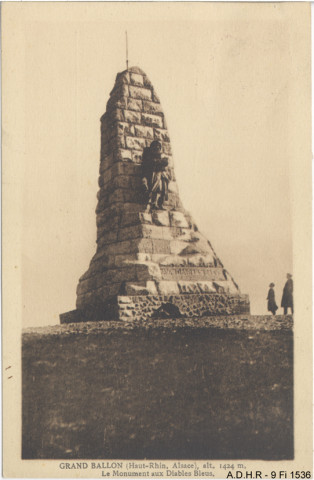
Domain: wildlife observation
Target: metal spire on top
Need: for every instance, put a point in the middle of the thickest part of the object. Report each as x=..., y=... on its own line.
x=127, y=50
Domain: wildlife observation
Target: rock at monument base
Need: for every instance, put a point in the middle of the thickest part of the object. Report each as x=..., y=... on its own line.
x=144, y=307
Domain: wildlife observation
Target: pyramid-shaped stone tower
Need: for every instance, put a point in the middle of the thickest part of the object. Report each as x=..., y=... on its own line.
x=151, y=259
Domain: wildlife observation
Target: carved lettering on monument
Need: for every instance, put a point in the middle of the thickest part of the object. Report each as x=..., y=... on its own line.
x=191, y=273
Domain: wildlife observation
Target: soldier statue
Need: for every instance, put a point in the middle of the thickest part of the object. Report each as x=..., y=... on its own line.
x=156, y=176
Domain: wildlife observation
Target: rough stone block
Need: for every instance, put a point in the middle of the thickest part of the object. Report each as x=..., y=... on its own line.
x=137, y=156
x=146, y=217
x=198, y=260
x=146, y=132
x=84, y=299
x=152, y=120
x=135, y=218
x=173, y=188
x=136, y=289
x=173, y=202
x=177, y=246
x=120, y=248
x=151, y=287
x=106, y=291
x=106, y=162
x=125, y=260
x=104, y=124
x=102, y=193
x=149, y=271
x=128, y=168
x=131, y=196
x=148, y=142
x=106, y=261
x=86, y=286
x=231, y=287
x=135, y=143
x=136, y=183
x=137, y=70
x=107, y=237
x=120, y=90
x=145, y=245
x=166, y=147
x=177, y=233
x=152, y=107
x=125, y=128
x=122, y=77
x=71, y=317
x=126, y=315
x=124, y=299
x=172, y=260
x=134, y=104
x=132, y=116
x=101, y=181
x=123, y=154
x=116, y=196
x=116, y=102
x=111, y=224
x=103, y=118
x=155, y=97
x=101, y=205
x=130, y=218
x=177, y=219
x=122, y=181
x=161, y=218
x=117, y=114
x=141, y=288
x=117, y=142
x=105, y=149
x=132, y=207
x=199, y=287
x=168, y=288
x=171, y=169
x=118, y=275
x=155, y=231
x=137, y=79
x=144, y=257
x=160, y=245
x=161, y=134
x=127, y=233
x=140, y=93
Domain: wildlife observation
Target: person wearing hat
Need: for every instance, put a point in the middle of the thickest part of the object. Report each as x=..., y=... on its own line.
x=271, y=305
x=287, y=295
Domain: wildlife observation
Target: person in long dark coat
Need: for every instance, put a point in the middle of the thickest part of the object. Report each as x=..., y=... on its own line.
x=155, y=176
x=271, y=304
x=287, y=295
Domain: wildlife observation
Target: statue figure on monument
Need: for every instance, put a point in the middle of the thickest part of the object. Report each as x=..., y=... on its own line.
x=156, y=176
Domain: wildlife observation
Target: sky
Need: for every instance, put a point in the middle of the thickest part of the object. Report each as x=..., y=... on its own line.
x=228, y=77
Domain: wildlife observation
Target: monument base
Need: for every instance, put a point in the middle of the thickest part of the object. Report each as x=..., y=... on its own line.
x=144, y=307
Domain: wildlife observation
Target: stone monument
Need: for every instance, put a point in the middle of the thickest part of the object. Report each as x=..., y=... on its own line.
x=151, y=260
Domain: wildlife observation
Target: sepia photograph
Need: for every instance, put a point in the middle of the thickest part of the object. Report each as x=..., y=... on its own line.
x=157, y=239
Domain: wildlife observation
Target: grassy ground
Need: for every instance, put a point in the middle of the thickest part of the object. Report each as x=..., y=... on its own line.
x=158, y=393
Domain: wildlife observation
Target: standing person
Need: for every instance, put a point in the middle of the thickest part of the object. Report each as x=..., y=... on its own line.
x=156, y=176
x=287, y=295
x=271, y=305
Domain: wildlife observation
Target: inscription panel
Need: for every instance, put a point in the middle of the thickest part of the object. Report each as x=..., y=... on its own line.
x=191, y=273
